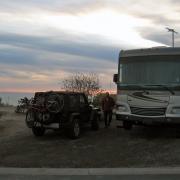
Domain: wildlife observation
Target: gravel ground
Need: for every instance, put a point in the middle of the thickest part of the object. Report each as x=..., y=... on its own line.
x=112, y=147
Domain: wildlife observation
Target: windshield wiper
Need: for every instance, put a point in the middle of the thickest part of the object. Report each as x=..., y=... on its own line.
x=164, y=86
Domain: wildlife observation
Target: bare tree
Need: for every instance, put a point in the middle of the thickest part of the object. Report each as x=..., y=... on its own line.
x=82, y=82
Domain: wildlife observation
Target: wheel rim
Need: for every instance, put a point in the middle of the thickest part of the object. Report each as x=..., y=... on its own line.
x=30, y=119
x=45, y=117
x=76, y=129
x=36, y=124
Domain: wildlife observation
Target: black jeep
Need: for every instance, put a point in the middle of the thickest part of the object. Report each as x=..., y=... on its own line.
x=68, y=111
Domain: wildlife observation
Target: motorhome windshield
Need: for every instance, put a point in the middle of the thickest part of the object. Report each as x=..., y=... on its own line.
x=159, y=69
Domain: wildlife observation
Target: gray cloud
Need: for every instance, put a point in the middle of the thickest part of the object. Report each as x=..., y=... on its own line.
x=46, y=56
x=161, y=13
x=54, y=44
x=16, y=56
x=144, y=9
x=158, y=18
x=176, y=2
x=159, y=35
x=49, y=54
x=13, y=74
x=55, y=6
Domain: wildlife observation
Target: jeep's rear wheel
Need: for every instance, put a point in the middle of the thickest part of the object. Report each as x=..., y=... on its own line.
x=74, y=130
x=30, y=118
x=38, y=131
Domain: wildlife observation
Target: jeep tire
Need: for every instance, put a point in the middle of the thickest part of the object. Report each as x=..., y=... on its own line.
x=30, y=118
x=74, y=129
x=38, y=131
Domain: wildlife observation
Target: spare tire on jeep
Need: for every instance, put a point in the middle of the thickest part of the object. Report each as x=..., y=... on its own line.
x=54, y=102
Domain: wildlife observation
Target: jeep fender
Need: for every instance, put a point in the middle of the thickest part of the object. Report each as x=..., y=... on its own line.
x=73, y=115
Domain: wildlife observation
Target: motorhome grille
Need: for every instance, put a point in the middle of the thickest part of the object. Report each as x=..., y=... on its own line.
x=148, y=111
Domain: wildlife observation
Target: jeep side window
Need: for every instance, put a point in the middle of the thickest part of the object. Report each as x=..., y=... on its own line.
x=73, y=101
x=83, y=101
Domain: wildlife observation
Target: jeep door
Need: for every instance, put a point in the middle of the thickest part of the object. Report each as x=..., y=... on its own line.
x=84, y=107
x=73, y=103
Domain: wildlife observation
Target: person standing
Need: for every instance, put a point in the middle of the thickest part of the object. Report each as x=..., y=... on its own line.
x=107, y=107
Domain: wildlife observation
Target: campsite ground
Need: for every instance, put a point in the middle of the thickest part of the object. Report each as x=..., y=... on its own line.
x=112, y=147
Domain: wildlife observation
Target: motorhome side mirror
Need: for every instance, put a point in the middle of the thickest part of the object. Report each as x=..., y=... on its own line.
x=115, y=78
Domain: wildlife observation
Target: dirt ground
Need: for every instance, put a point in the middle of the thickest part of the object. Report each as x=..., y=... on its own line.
x=112, y=147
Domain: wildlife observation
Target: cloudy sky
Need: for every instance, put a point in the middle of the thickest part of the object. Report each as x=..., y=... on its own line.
x=44, y=41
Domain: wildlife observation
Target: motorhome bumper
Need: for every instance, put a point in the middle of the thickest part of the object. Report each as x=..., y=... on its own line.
x=148, y=120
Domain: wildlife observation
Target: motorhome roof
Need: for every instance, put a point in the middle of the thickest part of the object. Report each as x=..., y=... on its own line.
x=150, y=51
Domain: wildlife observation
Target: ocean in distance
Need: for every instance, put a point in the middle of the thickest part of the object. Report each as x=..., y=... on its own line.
x=12, y=98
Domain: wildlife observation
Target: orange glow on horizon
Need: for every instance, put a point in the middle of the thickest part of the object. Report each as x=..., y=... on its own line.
x=25, y=90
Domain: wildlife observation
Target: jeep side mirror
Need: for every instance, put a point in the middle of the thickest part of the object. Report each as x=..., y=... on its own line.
x=115, y=78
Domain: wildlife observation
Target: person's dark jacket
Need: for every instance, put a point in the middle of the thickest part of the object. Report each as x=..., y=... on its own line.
x=107, y=103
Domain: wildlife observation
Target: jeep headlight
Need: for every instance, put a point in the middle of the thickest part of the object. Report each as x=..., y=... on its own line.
x=175, y=110
x=122, y=108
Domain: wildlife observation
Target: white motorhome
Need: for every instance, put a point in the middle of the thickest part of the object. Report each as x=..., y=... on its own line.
x=148, y=87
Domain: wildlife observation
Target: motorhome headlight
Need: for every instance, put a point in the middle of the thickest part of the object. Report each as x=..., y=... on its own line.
x=122, y=108
x=175, y=110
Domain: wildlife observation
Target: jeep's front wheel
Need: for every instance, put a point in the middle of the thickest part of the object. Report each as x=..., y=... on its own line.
x=74, y=130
